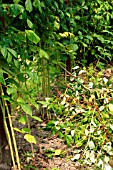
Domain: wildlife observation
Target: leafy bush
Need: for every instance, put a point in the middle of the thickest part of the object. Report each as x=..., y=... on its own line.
x=85, y=117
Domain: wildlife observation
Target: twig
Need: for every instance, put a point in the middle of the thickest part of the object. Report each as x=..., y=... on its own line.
x=75, y=78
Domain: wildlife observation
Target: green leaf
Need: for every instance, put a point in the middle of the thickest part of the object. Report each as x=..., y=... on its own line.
x=4, y=51
x=37, y=4
x=21, y=77
x=60, y=134
x=68, y=139
x=20, y=100
x=26, y=130
x=13, y=52
x=11, y=90
x=9, y=58
x=2, y=78
x=29, y=138
x=26, y=109
x=16, y=9
x=22, y=120
x=89, y=37
x=34, y=103
x=28, y=5
x=74, y=47
x=51, y=123
x=62, y=1
x=7, y=98
x=42, y=54
x=99, y=37
x=42, y=102
x=37, y=118
x=85, y=45
x=32, y=36
x=17, y=64
x=12, y=81
x=16, y=1
x=79, y=144
x=18, y=130
x=29, y=23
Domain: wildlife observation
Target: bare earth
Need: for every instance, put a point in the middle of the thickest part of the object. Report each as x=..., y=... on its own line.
x=45, y=141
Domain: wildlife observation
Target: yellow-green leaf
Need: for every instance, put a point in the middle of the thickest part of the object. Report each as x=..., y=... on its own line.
x=13, y=52
x=29, y=138
x=18, y=130
x=26, y=109
x=26, y=130
x=37, y=118
x=58, y=152
x=42, y=54
x=28, y=5
x=20, y=100
x=111, y=107
x=22, y=120
x=32, y=36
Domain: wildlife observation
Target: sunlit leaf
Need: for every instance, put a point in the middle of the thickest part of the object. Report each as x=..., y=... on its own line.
x=18, y=130
x=81, y=72
x=29, y=138
x=86, y=132
x=100, y=163
x=91, y=145
x=26, y=108
x=76, y=157
x=90, y=85
x=29, y=23
x=42, y=102
x=43, y=54
x=32, y=36
x=22, y=120
x=4, y=51
x=20, y=100
x=58, y=152
x=28, y=5
x=26, y=130
x=92, y=129
x=105, y=80
x=101, y=108
x=34, y=103
x=9, y=58
x=13, y=52
x=37, y=118
x=75, y=68
x=79, y=144
x=92, y=156
x=111, y=126
x=72, y=132
x=111, y=107
x=93, y=123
